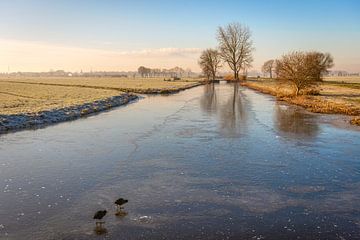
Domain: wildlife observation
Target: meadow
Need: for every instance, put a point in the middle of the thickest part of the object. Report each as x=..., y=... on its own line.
x=344, y=79
x=34, y=94
x=339, y=95
x=18, y=98
x=137, y=85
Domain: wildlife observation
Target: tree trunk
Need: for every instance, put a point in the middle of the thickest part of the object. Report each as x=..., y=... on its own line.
x=236, y=75
x=296, y=90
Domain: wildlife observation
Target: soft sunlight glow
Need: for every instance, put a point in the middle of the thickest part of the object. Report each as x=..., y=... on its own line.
x=38, y=56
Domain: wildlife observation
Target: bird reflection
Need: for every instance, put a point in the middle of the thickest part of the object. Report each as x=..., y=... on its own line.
x=99, y=229
x=294, y=122
x=121, y=213
x=119, y=207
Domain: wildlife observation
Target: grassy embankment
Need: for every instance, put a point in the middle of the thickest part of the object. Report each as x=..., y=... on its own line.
x=335, y=95
x=32, y=95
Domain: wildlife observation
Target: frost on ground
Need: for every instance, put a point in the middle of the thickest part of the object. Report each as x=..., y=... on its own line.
x=28, y=120
x=31, y=102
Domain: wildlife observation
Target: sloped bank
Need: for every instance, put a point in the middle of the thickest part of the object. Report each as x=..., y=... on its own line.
x=314, y=104
x=121, y=89
x=160, y=91
x=9, y=123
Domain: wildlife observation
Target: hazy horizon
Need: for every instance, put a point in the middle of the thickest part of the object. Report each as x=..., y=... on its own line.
x=122, y=35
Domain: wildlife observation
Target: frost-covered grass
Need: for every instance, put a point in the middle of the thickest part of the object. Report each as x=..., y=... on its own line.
x=139, y=85
x=34, y=94
x=18, y=98
x=14, y=122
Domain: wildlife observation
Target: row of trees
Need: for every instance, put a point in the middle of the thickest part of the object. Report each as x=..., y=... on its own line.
x=156, y=72
x=302, y=69
x=235, y=48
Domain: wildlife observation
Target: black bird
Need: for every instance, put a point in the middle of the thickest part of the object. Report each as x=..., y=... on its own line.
x=98, y=216
x=119, y=203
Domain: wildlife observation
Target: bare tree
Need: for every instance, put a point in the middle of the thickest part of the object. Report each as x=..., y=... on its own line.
x=144, y=72
x=303, y=69
x=210, y=63
x=141, y=71
x=268, y=67
x=206, y=71
x=236, y=47
x=319, y=63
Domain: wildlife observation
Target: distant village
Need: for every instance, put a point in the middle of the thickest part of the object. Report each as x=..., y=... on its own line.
x=176, y=72
x=142, y=72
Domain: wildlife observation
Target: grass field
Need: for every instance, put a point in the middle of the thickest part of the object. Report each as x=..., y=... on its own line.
x=347, y=79
x=28, y=98
x=137, y=85
x=338, y=97
x=31, y=95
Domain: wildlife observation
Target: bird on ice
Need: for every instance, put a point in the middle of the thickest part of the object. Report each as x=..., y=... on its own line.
x=120, y=202
x=119, y=207
x=98, y=217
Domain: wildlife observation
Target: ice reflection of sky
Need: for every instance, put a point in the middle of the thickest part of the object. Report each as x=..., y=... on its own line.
x=214, y=162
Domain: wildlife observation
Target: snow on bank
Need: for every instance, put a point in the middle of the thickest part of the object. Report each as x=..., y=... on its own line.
x=30, y=120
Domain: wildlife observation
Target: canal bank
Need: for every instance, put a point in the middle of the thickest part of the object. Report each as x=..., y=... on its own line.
x=213, y=162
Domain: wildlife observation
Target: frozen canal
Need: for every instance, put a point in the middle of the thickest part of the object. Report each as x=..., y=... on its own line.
x=207, y=163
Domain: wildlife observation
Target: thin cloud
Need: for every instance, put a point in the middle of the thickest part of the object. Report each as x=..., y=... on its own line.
x=163, y=52
x=39, y=56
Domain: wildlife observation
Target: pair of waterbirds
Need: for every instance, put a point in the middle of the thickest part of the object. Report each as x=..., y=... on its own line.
x=99, y=215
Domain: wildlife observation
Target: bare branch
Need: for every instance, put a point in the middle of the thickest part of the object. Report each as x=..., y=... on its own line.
x=303, y=69
x=236, y=47
x=210, y=63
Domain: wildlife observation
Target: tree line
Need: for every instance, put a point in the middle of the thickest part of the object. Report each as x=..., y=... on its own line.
x=156, y=72
x=235, y=49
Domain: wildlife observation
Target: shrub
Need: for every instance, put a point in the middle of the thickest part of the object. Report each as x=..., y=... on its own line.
x=303, y=69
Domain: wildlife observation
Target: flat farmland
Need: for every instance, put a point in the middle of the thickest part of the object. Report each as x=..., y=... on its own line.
x=138, y=85
x=34, y=94
x=346, y=79
x=18, y=98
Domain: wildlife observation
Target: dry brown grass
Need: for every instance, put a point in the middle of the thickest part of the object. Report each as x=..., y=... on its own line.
x=346, y=79
x=275, y=88
x=355, y=121
x=319, y=105
x=330, y=98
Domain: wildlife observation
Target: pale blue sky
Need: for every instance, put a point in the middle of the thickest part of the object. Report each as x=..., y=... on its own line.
x=122, y=30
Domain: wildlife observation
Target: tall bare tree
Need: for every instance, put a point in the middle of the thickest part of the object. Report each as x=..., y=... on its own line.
x=144, y=72
x=319, y=63
x=268, y=67
x=210, y=62
x=236, y=47
x=303, y=69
